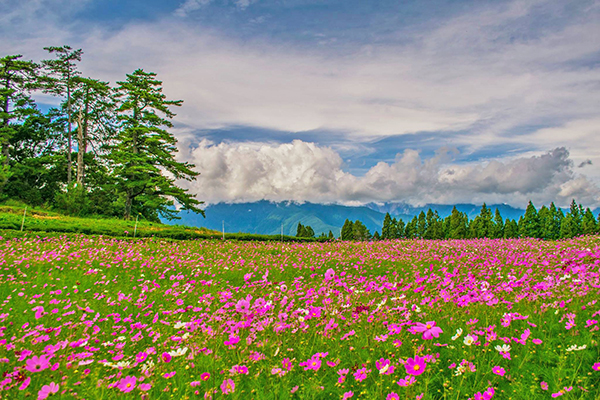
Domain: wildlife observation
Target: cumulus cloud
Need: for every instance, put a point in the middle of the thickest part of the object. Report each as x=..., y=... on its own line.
x=300, y=171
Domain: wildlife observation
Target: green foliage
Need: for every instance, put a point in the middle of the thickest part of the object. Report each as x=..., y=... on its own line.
x=144, y=149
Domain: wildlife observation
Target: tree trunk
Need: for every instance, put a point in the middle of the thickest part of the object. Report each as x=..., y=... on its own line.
x=128, y=203
x=81, y=149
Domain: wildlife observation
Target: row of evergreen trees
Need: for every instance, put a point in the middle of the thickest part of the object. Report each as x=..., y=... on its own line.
x=104, y=150
x=547, y=223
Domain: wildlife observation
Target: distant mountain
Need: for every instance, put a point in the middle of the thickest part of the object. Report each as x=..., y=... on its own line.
x=264, y=217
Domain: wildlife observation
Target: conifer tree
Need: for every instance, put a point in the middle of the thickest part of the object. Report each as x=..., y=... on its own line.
x=144, y=149
x=511, y=229
x=376, y=236
x=387, y=227
x=421, y=225
x=347, y=230
x=530, y=225
x=17, y=79
x=300, y=231
x=398, y=231
x=588, y=223
x=61, y=82
x=497, y=226
x=330, y=236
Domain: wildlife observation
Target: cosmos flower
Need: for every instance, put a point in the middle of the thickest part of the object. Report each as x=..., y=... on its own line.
x=37, y=364
x=228, y=386
x=498, y=371
x=415, y=366
x=127, y=384
x=429, y=330
x=47, y=390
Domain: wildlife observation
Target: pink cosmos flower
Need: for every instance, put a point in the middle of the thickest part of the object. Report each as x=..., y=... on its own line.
x=429, y=330
x=562, y=391
x=169, y=374
x=166, y=357
x=127, y=384
x=286, y=364
x=239, y=369
x=406, y=381
x=294, y=389
x=329, y=274
x=233, y=339
x=596, y=366
x=228, y=386
x=47, y=390
x=37, y=364
x=537, y=341
x=347, y=395
x=498, y=371
x=361, y=374
x=204, y=376
x=313, y=363
x=25, y=383
x=415, y=366
x=544, y=385
x=487, y=395
x=392, y=396
x=144, y=387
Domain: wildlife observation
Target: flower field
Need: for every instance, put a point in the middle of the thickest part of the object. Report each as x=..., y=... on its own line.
x=100, y=318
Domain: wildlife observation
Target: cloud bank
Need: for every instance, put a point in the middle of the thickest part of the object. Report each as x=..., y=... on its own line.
x=301, y=171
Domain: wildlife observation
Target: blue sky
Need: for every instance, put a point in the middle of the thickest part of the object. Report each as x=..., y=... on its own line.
x=355, y=101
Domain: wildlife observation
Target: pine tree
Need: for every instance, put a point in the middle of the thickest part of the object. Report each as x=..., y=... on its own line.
x=330, y=236
x=458, y=225
x=144, y=150
x=588, y=223
x=530, y=225
x=497, y=226
x=309, y=231
x=387, y=226
x=398, y=231
x=347, y=230
x=61, y=82
x=17, y=79
x=421, y=225
x=376, y=236
x=511, y=229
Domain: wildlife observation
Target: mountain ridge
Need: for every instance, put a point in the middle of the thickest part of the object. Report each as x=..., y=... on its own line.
x=268, y=218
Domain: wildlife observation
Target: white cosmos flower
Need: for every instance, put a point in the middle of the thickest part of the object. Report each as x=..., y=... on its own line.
x=503, y=349
x=459, y=332
x=469, y=340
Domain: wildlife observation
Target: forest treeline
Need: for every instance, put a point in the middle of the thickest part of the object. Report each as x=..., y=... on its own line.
x=103, y=150
x=548, y=223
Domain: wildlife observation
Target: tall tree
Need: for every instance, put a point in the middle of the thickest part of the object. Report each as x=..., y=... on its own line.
x=95, y=119
x=386, y=230
x=61, y=81
x=588, y=223
x=144, y=150
x=530, y=225
x=17, y=79
x=497, y=229
x=457, y=225
x=511, y=229
x=346, y=233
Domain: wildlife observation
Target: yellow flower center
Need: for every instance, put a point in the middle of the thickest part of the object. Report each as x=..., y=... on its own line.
x=428, y=326
x=417, y=367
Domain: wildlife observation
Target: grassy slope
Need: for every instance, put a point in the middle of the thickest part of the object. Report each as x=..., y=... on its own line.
x=37, y=220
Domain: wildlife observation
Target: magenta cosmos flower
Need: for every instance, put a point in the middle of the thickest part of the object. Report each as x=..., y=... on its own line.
x=127, y=384
x=47, y=390
x=228, y=386
x=499, y=370
x=415, y=366
x=37, y=364
x=429, y=330
x=329, y=274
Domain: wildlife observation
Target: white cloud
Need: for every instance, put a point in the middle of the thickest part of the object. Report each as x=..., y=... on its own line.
x=190, y=5
x=301, y=171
